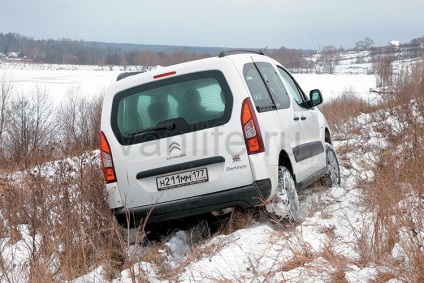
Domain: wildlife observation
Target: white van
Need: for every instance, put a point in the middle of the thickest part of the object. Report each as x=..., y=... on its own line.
x=203, y=136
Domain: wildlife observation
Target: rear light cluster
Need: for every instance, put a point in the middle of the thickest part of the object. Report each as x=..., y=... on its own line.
x=107, y=162
x=251, y=131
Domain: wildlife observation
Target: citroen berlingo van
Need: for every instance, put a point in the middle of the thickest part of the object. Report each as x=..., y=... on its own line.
x=234, y=130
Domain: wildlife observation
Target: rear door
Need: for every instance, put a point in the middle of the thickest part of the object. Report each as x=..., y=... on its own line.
x=177, y=139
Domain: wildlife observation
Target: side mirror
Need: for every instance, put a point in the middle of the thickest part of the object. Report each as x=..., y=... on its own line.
x=315, y=97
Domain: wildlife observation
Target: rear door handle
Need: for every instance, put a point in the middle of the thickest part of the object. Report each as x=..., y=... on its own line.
x=296, y=118
x=303, y=118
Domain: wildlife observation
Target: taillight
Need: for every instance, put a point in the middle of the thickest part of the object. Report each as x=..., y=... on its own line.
x=107, y=162
x=251, y=131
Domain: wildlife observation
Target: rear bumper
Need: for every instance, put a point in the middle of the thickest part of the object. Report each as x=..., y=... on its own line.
x=246, y=196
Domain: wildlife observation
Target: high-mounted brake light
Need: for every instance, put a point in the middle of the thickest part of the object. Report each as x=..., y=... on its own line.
x=107, y=162
x=251, y=131
x=164, y=75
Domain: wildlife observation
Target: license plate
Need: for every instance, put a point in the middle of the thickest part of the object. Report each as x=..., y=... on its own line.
x=182, y=179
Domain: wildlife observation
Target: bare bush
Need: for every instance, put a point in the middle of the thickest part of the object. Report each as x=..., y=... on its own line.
x=340, y=109
x=6, y=90
x=59, y=213
x=409, y=84
x=396, y=193
x=79, y=120
x=30, y=129
x=383, y=70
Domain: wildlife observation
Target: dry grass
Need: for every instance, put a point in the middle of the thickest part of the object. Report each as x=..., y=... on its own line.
x=241, y=218
x=338, y=110
x=397, y=192
x=68, y=220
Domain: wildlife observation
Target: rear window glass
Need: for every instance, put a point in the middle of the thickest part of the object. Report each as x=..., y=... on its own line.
x=171, y=106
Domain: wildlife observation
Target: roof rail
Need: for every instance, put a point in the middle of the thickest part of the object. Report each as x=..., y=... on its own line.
x=127, y=74
x=226, y=52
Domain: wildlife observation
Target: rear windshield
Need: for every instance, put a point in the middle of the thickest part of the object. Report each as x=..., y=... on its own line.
x=171, y=107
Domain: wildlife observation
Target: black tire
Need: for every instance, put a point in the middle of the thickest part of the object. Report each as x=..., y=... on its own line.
x=332, y=177
x=286, y=200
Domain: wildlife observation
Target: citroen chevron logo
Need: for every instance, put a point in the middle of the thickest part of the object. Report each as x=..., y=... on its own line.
x=174, y=145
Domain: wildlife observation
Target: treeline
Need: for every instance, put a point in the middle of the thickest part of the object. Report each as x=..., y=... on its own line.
x=67, y=51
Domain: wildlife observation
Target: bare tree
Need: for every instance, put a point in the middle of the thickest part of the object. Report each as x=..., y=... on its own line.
x=95, y=120
x=31, y=127
x=383, y=71
x=291, y=58
x=6, y=89
x=146, y=59
x=72, y=119
x=364, y=44
x=79, y=121
x=329, y=59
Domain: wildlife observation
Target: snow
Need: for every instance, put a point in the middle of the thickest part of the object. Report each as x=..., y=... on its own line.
x=19, y=253
x=332, y=220
x=333, y=86
x=57, y=80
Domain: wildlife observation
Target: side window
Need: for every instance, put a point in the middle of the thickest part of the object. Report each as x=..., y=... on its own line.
x=256, y=86
x=293, y=89
x=275, y=85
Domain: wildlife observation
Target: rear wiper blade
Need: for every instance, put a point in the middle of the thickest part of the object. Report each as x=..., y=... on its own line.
x=167, y=126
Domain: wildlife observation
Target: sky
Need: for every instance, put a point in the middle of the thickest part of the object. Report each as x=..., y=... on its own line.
x=299, y=24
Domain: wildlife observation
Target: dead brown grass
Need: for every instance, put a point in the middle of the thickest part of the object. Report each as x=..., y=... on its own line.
x=241, y=218
x=338, y=110
x=396, y=194
x=67, y=217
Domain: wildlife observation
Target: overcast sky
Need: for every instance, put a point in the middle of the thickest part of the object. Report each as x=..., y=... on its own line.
x=217, y=23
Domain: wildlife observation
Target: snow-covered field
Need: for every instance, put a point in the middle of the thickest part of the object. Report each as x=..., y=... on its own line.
x=57, y=80
x=333, y=86
x=309, y=251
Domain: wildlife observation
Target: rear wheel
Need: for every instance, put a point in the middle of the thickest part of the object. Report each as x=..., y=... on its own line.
x=332, y=177
x=286, y=200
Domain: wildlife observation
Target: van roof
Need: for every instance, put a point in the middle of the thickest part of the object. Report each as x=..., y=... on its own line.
x=222, y=53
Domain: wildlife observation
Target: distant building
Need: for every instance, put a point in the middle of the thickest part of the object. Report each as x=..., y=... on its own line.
x=422, y=44
x=394, y=43
x=12, y=55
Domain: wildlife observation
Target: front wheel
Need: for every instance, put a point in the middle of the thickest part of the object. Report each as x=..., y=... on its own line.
x=332, y=177
x=286, y=200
